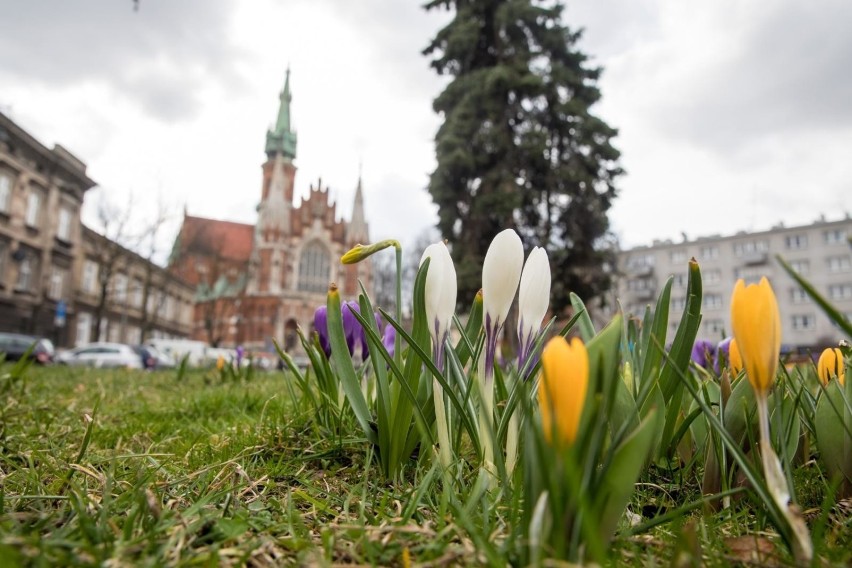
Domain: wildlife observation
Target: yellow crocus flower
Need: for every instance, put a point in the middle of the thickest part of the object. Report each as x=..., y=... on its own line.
x=757, y=330
x=562, y=390
x=220, y=363
x=830, y=365
x=735, y=360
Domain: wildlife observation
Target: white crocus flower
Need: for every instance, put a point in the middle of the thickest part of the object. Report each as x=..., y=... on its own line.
x=441, y=291
x=501, y=272
x=533, y=300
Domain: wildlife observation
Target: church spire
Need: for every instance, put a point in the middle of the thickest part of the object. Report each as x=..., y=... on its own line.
x=357, y=230
x=282, y=139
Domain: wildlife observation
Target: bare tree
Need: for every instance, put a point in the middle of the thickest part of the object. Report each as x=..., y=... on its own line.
x=114, y=226
x=149, y=248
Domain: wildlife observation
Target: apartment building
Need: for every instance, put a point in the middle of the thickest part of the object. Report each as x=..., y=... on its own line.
x=123, y=297
x=59, y=278
x=41, y=193
x=821, y=252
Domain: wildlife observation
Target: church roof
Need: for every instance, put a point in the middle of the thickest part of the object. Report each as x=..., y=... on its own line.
x=225, y=239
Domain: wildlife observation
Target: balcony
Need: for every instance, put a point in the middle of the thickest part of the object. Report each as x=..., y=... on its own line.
x=755, y=258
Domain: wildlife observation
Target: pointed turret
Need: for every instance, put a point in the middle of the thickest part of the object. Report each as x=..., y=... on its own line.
x=282, y=139
x=357, y=230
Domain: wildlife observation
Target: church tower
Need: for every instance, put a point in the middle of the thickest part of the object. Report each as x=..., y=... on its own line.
x=275, y=211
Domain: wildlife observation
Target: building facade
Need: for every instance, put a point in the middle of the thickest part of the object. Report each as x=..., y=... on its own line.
x=124, y=298
x=41, y=193
x=820, y=252
x=52, y=267
x=257, y=282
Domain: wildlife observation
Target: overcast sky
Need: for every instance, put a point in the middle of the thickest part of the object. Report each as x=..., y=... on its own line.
x=732, y=115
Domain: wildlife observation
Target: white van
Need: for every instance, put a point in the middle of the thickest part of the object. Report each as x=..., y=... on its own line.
x=196, y=351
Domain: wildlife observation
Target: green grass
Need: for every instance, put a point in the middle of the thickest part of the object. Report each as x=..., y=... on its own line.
x=205, y=472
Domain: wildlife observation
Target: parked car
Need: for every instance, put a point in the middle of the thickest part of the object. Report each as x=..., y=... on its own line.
x=154, y=359
x=195, y=352
x=14, y=345
x=102, y=355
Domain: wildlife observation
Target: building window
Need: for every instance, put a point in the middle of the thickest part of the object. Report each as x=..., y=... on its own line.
x=678, y=304
x=90, y=276
x=314, y=268
x=33, y=214
x=57, y=283
x=113, y=332
x=679, y=280
x=137, y=293
x=713, y=276
x=63, y=227
x=712, y=301
x=26, y=274
x=678, y=256
x=709, y=252
x=840, y=291
x=795, y=242
x=804, y=322
x=120, y=288
x=749, y=247
x=750, y=275
x=84, y=329
x=637, y=284
x=798, y=296
x=641, y=260
x=800, y=266
x=834, y=236
x=839, y=264
x=5, y=192
x=715, y=326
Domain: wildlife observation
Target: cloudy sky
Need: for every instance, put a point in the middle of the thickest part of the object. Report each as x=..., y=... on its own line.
x=732, y=115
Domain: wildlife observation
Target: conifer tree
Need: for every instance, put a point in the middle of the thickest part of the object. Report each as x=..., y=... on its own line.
x=519, y=146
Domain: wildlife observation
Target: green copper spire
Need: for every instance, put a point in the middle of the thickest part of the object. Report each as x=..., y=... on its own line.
x=282, y=139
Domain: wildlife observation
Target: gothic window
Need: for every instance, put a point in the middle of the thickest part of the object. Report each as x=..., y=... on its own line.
x=314, y=268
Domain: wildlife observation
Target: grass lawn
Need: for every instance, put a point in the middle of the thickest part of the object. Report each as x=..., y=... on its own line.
x=119, y=468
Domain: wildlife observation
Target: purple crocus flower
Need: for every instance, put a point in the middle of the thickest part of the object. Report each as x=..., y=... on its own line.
x=240, y=353
x=321, y=327
x=388, y=338
x=703, y=352
x=352, y=330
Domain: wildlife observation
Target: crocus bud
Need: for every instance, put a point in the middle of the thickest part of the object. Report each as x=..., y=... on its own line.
x=563, y=386
x=533, y=299
x=501, y=272
x=831, y=365
x=757, y=329
x=441, y=290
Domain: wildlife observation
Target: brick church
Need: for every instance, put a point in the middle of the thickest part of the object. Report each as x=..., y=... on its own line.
x=257, y=282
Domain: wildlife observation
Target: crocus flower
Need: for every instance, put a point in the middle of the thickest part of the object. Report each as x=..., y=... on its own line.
x=757, y=329
x=533, y=300
x=563, y=386
x=351, y=326
x=352, y=329
x=441, y=291
x=388, y=338
x=703, y=351
x=501, y=272
x=831, y=365
x=735, y=360
x=321, y=327
x=240, y=353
